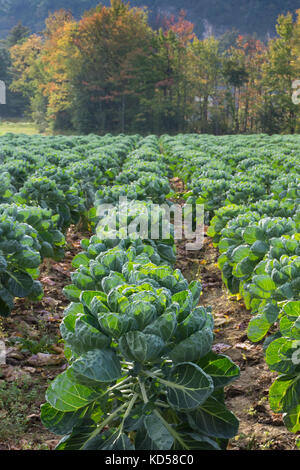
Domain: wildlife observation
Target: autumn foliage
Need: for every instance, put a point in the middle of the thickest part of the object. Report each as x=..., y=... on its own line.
x=111, y=72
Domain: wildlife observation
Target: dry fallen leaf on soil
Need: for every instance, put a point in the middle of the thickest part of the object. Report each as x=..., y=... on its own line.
x=245, y=346
x=41, y=359
x=220, y=347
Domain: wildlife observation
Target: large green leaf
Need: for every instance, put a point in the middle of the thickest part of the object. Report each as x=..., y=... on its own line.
x=141, y=347
x=72, y=293
x=3, y=264
x=143, y=312
x=193, y=322
x=87, y=297
x=264, y=283
x=164, y=326
x=97, y=366
x=185, y=300
x=82, y=335
x=19, y=284
x=188, y=386
x=60, y=422
x=196, y=288
x=292, y=418
x=221, y=369
x=116, y=325
x=74, y=308
x=292, y=309
x=113, y=280
x=6, y=302
x=251, y=234
x=80, y=436
x=270, y=311
x=80, y=260
x=194, y=441
x=259, y=248
x=66, y=394
x=194, y=347
x=118, y=441
x=244, y=268
x=280, y=354
x=284, y=398
x=258, y=328
x=214, y=419
x=153, y=435
x=290, y=327
x=240, y=253
x=28, y=259
x=262, y=286
x=83, y=281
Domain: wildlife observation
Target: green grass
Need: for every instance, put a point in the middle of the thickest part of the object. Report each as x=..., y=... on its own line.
x=29, y=128
x=18, y=400
x=19, y=127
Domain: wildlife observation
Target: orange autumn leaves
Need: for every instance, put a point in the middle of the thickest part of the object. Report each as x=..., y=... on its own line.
x=111, y=72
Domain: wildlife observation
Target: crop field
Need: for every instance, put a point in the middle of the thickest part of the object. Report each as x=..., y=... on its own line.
x=114, y=339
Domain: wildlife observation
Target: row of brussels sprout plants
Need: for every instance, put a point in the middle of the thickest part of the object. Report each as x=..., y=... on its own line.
x=47, y=184
x=250, y=187
x=142, y=374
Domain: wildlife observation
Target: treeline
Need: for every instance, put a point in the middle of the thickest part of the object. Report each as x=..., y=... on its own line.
x=111, y=72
